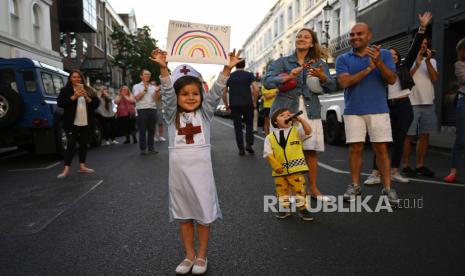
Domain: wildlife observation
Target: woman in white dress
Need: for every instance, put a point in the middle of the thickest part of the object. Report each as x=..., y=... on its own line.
x=192, y=191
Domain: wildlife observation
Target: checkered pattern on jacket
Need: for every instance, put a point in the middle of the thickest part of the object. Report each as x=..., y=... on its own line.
x=294, y=163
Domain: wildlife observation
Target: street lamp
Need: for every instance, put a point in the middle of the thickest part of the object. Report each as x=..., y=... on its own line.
x=326, y=14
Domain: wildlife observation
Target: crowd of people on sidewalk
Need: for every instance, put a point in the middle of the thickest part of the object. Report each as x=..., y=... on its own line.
x=387, y=97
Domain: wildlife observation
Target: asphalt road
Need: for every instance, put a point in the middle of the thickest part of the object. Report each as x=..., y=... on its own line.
x=115, y=222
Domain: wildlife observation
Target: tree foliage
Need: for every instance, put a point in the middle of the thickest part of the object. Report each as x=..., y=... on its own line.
x=133, y=51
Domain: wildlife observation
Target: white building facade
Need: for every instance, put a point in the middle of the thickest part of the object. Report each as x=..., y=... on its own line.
x=275, y=35
x=25, y=31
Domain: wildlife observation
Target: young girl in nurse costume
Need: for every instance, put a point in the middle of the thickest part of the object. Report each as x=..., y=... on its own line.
x=192, y=191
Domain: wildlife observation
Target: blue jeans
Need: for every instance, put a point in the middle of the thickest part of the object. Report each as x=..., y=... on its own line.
x=459, y=144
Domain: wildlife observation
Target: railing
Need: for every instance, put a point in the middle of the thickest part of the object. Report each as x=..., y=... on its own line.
x=339, y=43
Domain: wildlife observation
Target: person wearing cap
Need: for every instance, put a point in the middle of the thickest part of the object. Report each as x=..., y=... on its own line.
x=193, y=200
x=243, y=94
x=145, y=96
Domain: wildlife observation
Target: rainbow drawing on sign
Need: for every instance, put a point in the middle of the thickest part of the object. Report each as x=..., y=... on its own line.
x=198, y=48
x=197, y=41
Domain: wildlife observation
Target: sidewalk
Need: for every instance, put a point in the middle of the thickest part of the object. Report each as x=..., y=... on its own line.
x=443, y=139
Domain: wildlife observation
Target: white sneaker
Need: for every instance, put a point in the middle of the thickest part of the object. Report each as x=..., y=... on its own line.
x=199, y=269
x=323, y=198
x=107, y=143
x=114, y=142
x=162, y=139
x=372, y=180
x=397, y=177
x=156, y=139
x=185, y=266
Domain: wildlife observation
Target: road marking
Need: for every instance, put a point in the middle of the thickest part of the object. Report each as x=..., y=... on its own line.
x=69, y=206
x=336, y=170
x=36, y=169
x=13, y=155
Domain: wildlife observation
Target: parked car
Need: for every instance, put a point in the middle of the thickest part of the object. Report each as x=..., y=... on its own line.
x=222, y=111
x=29, y=115
x=332, y=108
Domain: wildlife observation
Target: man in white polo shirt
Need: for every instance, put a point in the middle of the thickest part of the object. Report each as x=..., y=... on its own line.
x=146, y=106
x=424, y=74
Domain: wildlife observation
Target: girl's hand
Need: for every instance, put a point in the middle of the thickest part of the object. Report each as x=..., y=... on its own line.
x=425, y=19
x=158, y=56
x=234, y=59
x=318, y=72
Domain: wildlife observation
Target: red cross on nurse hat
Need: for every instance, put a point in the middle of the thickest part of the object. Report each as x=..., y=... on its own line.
x=184, y=70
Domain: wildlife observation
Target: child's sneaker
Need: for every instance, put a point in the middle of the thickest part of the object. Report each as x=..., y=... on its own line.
x=282, y=215
x=305, y=215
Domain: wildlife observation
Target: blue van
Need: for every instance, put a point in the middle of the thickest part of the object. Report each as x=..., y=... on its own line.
x=29, y=115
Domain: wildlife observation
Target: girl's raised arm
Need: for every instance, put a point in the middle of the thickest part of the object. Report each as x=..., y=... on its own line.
x=212, y=98
x=168, y=96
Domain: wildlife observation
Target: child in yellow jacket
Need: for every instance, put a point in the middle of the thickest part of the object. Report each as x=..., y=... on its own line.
x=283, y=149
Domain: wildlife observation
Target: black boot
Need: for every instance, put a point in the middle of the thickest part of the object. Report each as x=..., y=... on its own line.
x=249, y=149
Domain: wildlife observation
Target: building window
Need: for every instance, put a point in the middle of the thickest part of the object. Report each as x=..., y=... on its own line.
x=308, y=4
x=289, y=16
x=337, y=22
x=84, y=47
x=109, y=47
x=108, y=19
x=276, y=27
x=90, y=12
x=63, y=45
x=297, y=9
x=73, y=45
x=36, y=23
x=281, y=23
x=99, y=10
x=100, y=40
x=14, y=16
x=319, y=30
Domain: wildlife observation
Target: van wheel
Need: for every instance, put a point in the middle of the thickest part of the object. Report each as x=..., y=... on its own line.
x=11, y=106
x=96, y=135
x=334, y=131
x=61, y=140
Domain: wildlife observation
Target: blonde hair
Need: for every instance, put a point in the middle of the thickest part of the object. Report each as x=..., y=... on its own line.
x=460, y=48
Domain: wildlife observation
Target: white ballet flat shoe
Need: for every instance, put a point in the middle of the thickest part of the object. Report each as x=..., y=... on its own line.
x=199, y=269
x=185, y=266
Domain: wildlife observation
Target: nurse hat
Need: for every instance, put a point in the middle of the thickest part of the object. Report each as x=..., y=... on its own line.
x=184, y=70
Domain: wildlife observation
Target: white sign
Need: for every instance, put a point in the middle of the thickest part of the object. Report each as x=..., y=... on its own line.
x=198, y=43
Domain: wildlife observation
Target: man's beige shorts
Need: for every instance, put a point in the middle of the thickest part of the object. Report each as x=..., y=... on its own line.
x=378, y=127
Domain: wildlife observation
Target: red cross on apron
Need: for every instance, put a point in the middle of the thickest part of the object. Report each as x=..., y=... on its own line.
x=189, y=131
x=184, y=70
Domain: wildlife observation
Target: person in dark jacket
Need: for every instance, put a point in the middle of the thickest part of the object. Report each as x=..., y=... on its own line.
x=400, y=108
x=79, y=102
